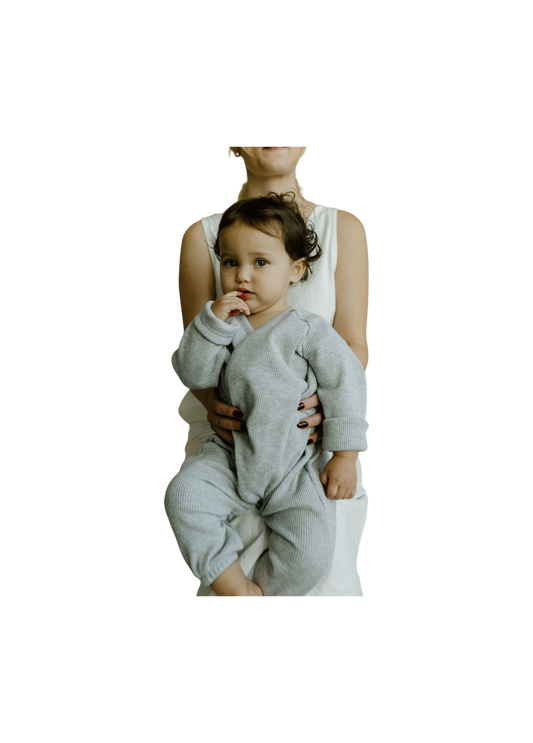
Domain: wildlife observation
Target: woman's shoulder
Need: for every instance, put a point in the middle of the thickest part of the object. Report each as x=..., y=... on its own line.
x=194, y=231
x=348, y=221
x=193, y=235
x=215, y=215
x=204, y=229
x=351, y=233
x=210, y=227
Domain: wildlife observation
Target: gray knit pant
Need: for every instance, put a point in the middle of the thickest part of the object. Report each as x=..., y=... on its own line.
x=204, y=493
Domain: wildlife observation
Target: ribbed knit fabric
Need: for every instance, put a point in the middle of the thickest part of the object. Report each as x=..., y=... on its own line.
x=265, y=373
x=302, y=520
x=283, y=345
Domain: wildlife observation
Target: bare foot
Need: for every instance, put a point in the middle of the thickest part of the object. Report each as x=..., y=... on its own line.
x=248, y=591
x=233, y=582
x=253, y=589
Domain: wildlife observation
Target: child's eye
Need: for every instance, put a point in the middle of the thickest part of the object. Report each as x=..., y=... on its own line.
x=230, y=263
x=260, y=262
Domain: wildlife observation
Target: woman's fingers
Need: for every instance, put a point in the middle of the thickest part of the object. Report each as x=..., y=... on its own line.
x=313, y=421
x=225, y=411
x=222, y=418
x=225, y=418
x=309, y=402
x=315, y=436
x=223, y=421
x=218, y=407
x=226, y=436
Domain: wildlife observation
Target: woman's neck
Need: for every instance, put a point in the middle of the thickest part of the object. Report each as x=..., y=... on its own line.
x=260, y=186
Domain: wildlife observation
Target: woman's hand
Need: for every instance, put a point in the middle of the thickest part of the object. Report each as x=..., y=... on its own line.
x=315, y=420
x=223, y=418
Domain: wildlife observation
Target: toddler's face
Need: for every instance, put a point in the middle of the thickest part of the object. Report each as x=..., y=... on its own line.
x=257, y=263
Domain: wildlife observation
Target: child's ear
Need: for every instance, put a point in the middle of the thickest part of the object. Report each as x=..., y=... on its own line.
x=298, y=270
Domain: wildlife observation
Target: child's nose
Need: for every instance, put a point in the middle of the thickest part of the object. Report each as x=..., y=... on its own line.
x=243, y=274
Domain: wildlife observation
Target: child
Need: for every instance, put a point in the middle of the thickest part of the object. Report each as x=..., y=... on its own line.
x=265, y=357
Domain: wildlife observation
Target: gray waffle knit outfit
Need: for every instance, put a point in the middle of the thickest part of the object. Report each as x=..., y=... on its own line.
x=265, y=373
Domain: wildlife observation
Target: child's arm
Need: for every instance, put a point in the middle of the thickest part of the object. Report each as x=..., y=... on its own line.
x=203, y=348
x=341, y=388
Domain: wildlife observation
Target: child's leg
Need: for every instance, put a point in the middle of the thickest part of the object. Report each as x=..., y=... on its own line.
x=302, y=541
x=233, y=582
x=198, y=501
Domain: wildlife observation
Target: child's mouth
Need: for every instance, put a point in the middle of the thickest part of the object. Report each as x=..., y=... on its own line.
x=245, y=295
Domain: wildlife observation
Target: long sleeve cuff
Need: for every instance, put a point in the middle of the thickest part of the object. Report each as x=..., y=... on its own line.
x=213, y=328
x=203, y=350
x=344, y=434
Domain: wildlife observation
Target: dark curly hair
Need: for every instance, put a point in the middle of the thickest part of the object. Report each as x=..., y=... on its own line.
x=279, y=212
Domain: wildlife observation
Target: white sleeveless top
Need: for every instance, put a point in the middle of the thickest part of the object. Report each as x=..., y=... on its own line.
x=317, y=294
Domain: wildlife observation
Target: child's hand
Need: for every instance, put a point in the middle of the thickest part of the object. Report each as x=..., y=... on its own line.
x=339, y=476
x=229, y=304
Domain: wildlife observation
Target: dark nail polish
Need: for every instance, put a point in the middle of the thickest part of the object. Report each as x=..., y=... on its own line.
x=301, y=406
x=243, y=427
x=309, y=441
x=302, y=424
x=237, y=414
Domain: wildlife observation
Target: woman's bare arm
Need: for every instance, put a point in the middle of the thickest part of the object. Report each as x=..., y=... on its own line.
x=196, y=279
x=351, y=284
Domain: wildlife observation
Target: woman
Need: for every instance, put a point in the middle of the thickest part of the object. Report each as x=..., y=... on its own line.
x=337, y=290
